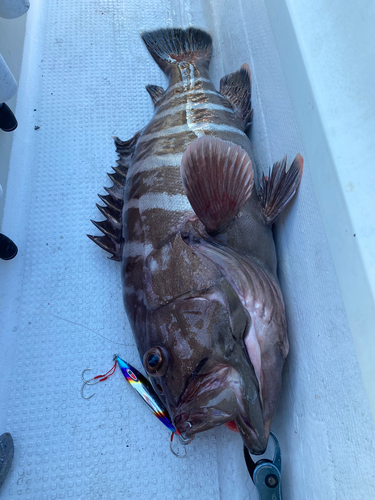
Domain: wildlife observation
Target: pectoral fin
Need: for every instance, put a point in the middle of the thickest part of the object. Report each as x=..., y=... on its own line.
x=217, y=177
x=279, y=187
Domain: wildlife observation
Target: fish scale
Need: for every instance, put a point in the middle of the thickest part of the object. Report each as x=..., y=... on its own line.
x=213, y=110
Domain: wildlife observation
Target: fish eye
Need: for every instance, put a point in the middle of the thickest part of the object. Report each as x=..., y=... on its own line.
x=155, y=362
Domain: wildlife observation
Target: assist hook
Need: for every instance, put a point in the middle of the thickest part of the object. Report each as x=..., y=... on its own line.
x=96, y=380
x=90, y=381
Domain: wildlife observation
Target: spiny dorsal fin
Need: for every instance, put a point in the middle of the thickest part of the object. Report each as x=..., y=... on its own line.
x=156, y=93
x=115, y=192
x=111, y=202
x=111, y=227
x=107, y=228
x=121, y=170
x=113, y=216
x=108, y=245
x=237, y=88
x=217, y=177
x=279, y=187
x=117, y=179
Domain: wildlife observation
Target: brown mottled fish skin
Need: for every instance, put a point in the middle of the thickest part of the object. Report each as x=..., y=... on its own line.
x=209, y=303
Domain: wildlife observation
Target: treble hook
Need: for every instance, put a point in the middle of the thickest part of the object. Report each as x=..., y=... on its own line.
x=88, y=382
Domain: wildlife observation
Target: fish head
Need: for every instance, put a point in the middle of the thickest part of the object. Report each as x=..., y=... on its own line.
x=197, y=362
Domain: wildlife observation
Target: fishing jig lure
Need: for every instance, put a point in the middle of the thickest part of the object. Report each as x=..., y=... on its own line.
x=145, y=390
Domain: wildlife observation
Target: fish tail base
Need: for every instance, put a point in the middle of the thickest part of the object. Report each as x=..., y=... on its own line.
x=172, y=46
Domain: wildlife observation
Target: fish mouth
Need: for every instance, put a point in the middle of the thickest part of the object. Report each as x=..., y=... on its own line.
x=213, y=399
x=211, y=409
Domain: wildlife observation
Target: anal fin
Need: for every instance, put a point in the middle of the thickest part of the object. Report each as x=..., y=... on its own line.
x=217, y=177
x=279, y=187
x=112, y=240
x=237, y=88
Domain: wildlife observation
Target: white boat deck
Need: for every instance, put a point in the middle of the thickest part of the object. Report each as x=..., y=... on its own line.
x=83, y=80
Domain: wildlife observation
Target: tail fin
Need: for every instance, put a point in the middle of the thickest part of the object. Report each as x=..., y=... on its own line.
x=174, y=45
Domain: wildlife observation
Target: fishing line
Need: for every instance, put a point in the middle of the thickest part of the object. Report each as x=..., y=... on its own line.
x=43, y=313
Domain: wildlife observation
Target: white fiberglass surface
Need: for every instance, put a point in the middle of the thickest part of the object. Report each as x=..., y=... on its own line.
x=324, y=49
x=83, y=78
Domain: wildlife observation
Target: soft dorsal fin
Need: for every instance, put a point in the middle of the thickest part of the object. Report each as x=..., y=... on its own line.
x=156, y=93
x=217, y=177
x=279, y=187
x=237, y=88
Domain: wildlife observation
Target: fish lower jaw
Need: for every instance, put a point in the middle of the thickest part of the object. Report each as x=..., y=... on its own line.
x=256, y=442
x=189, y=424
x=209, y=401
x=218, y=407
x=190, y=421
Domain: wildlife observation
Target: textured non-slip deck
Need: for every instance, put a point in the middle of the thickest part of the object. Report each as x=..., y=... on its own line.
x=83, y=80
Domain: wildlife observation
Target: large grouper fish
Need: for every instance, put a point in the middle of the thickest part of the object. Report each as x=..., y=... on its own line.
x=194, y=236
